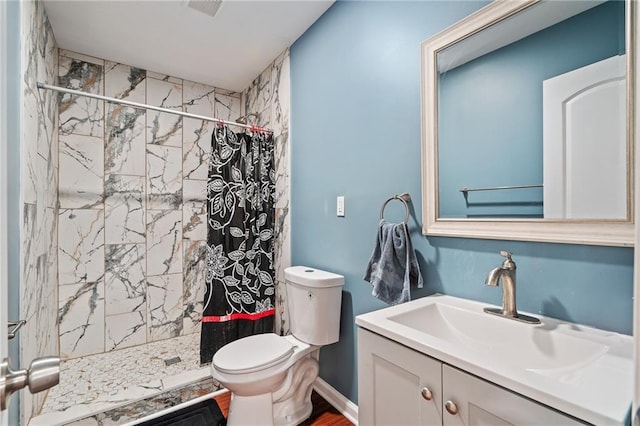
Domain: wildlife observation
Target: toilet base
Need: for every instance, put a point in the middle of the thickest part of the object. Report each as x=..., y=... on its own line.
x=256, y=410
x=294, y=406
x=290, y=405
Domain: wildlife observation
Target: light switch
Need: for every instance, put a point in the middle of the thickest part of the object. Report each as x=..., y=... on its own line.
x=340, y=206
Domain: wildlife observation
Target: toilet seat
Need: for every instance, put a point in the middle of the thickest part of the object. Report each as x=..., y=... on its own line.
x=253, y=353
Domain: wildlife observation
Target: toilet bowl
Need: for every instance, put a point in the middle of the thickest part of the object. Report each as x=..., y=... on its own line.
x=270, y=376
x=263, y=382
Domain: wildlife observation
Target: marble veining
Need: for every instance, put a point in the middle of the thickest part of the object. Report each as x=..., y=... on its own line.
x=81, y=319
x=78, y=114
x=211, y=102
x=130, y=256
x=81, y=171
x=164, y=177
x=195, y=257
x=163, y=77
x=164, y=242
x=92, y=389
x=125, y=330
x=124, y=209
x=40, y=109
x=133, y=228
x=163, y=128
x=195, y=210
x=31, y=178
x=228, y=107
x=268, y=97
x=39, y=194
x=80, y=57
x=137, y=411
x=198, y=98
x=165, y=306
x=81, y=245
x=124, y=82
x=128, y=245
x=131, y=253
x=195, y=152
x=125, y=278
x=125, y=134
x=125, y=140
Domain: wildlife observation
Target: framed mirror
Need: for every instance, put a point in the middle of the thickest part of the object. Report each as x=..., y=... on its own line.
x=527, y=123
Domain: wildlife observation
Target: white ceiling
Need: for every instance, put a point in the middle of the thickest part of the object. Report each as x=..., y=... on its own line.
x=228, y=50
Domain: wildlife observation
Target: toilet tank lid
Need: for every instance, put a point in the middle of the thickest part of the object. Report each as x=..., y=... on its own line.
x=312, y=277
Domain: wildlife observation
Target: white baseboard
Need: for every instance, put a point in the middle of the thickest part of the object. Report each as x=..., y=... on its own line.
x=335, y=398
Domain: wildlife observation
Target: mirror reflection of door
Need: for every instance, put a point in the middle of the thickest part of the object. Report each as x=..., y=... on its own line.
x=490, y=113
x=585, y=171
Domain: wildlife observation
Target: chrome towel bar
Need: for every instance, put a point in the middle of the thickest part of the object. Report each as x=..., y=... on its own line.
x=495, y=188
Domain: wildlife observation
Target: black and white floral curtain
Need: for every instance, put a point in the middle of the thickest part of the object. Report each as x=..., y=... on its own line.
x=239, y=297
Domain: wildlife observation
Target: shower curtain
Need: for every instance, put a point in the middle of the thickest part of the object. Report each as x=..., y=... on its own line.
x=240, y=274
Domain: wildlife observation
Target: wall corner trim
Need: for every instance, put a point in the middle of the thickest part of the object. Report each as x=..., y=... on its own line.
x=335, y=398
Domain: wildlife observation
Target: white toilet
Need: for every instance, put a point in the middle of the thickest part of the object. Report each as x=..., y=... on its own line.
x=271, y=376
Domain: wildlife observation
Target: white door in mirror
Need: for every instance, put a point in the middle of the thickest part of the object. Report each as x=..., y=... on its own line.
x=585, y=147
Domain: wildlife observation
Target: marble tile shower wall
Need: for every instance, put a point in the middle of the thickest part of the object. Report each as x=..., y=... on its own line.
x=268, y=97
x=39, y=193
x=132, y=219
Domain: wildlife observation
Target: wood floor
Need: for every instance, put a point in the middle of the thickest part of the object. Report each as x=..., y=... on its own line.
x=323, y=413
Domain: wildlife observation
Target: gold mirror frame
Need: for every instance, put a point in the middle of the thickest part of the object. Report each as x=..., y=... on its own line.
x=593, y=232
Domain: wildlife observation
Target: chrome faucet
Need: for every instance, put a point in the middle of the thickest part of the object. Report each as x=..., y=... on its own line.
x=507, y=274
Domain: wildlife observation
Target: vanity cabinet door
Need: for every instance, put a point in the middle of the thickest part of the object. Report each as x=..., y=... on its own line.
x=396, y=385
x=481, y=403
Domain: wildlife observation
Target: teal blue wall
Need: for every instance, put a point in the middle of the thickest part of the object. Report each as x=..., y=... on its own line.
x=355, y=121
x=487, y=96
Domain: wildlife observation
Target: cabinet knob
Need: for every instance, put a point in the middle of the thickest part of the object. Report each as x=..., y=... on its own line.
x=426, y=393
x=451, y=407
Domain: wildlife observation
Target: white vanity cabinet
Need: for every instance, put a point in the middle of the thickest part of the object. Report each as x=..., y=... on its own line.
x=396, y=385
x=479, y=402
x=400, y=386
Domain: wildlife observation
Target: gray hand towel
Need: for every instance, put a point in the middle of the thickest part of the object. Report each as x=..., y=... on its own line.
x=393, y=267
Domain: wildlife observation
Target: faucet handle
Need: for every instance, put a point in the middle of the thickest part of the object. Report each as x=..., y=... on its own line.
x=508, y=262
x=506, y=254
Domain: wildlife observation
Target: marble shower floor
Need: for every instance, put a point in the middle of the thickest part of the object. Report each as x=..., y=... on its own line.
x=101, y=383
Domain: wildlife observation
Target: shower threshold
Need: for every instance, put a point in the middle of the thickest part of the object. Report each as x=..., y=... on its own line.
x=127, y=384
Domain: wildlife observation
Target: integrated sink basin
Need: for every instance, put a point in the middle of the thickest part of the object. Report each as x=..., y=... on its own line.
x=533, y=348
x=580, y=370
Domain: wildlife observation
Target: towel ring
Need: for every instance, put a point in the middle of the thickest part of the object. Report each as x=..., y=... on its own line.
x=405, y=198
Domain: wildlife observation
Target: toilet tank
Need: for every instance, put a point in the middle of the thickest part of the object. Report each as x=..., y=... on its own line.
x=314, y=298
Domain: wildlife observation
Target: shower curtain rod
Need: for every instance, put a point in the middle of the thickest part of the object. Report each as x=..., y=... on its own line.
x=151, y=107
